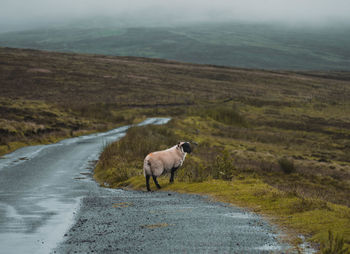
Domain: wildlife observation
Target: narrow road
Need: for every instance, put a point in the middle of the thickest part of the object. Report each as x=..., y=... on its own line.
x=49, y=203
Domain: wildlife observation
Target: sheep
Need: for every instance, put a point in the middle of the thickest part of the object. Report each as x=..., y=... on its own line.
x=161, y=162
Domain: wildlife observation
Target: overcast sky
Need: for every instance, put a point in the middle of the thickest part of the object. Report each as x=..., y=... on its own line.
x=21, y=14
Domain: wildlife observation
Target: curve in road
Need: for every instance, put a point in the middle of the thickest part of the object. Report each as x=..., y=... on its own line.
x=50, y=203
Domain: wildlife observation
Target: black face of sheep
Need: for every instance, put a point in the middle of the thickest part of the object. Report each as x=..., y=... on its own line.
x=186, y=147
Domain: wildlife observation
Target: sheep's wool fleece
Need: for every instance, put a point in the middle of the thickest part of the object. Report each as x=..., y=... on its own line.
x=155, y=162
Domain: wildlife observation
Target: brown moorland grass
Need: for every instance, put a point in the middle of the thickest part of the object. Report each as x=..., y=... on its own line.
x=251, y=119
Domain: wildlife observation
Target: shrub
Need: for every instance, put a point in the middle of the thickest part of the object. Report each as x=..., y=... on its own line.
x=307, y=204
x=224, y=168
x=286, y=165
x=193, y=171
x=334, y=245
x=119, y=173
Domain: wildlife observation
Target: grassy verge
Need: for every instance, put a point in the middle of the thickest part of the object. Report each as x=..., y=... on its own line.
x=266, y=183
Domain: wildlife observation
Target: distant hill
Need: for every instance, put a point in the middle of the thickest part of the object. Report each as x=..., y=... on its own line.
x=240, y=45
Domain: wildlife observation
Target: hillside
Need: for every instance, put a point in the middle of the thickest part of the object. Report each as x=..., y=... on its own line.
x=229, y=44
x=46, y=92
x=282, y=136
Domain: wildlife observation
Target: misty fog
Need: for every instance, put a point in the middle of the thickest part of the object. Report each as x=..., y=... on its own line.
x=24, y=14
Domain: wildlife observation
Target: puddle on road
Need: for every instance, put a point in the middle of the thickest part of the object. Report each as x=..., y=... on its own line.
x=79, y=178
x=21, y=155
x=37, y=232
x=86, y=173
x=305, y=246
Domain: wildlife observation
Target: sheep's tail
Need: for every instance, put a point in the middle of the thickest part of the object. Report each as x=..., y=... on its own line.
x=146, y=167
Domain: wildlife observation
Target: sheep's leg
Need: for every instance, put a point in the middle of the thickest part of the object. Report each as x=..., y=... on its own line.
x=156, y=182
x=172, y=174
x=147, y=183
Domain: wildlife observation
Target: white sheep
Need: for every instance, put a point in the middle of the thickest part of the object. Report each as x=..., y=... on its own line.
x=161, y=162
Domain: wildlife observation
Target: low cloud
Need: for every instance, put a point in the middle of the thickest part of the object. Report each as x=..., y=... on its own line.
x=20, y=14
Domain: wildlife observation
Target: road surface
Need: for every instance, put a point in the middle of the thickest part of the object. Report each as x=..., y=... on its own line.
x=49, y=203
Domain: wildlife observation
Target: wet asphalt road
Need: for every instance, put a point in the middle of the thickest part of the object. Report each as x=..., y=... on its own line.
x=50, y=204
